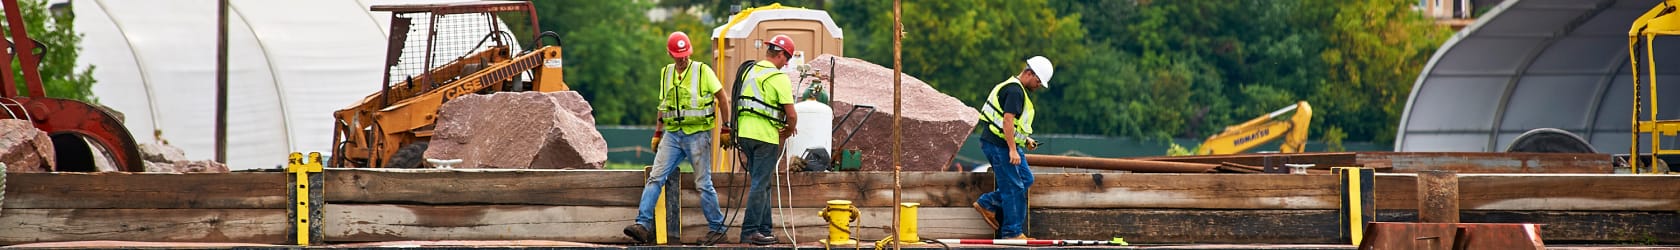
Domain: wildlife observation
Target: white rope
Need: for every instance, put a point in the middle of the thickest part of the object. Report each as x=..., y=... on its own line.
x=2, y=183
x=781, y=200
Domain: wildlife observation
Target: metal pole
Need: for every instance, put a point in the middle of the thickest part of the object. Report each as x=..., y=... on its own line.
x=221, y=79
x=898, y=111
x=24, y=51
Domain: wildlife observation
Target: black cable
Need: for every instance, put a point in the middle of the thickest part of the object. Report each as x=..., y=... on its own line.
x=734, y=139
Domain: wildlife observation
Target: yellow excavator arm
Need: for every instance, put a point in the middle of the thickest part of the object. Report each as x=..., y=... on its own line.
x=1263, y=129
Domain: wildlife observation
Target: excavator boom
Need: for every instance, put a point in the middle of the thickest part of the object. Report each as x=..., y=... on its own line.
x=1261, y=130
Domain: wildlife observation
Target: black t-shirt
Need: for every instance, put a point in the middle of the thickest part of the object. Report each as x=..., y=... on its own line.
x=1013, y=99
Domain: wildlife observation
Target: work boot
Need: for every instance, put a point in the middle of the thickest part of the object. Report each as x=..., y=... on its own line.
x=991, y=218
x=638, y=233
x=712, y=238
x=758, y=239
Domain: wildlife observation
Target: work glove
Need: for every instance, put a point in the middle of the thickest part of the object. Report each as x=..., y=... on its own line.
x=726, y=137
x=655, y=142
x=1032, y=144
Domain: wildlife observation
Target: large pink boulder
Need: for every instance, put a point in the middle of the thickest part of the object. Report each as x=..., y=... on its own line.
x=519, y=130
x=24, y=148
x=934, y=125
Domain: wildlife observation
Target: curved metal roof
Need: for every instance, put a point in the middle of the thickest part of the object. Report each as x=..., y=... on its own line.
x=290, y=65
x=1532, y=64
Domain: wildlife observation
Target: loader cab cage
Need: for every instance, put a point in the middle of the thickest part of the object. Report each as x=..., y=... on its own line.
x=426, y=36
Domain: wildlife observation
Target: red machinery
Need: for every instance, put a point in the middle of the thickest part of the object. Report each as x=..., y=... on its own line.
x=72, y=124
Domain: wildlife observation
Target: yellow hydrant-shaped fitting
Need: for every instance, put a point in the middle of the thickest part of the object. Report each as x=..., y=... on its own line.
x=840, y=214
x=907, y=223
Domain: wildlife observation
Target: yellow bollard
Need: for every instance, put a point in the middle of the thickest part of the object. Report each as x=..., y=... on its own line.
x=840, y=214
x=907, y=223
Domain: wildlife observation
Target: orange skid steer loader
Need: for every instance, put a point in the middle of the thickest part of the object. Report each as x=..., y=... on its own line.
x=438, y=52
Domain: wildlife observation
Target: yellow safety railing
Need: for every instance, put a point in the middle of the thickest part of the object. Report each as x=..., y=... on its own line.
x=1656, y=22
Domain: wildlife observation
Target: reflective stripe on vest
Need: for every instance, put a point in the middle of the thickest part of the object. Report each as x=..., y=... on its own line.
x=755, y=102
x=992, y=112
x=672, y=111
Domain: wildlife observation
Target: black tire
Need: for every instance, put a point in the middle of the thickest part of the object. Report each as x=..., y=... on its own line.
x=409, y=156
x=1550, y=140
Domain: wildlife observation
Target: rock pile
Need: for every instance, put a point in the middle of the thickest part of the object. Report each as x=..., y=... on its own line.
x=934, y=124
x=519, y=130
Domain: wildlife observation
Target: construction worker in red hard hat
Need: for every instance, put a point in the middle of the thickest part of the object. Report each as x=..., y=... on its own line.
x=687, y=92
x=766, y=120
x=1008, y=116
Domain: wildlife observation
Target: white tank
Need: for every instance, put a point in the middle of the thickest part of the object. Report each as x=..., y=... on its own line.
x=816, y=128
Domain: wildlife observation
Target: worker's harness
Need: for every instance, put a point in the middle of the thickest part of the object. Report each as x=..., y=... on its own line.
x=671, y=110
x=755, y=104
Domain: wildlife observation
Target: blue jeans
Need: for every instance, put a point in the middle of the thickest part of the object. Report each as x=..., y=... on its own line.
x=1009, y=200
x=761, y=167
x=672, y=149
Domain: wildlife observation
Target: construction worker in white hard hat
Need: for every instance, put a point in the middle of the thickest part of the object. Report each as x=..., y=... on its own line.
x=687, y=90
x=1007, y=116
x=767, y=119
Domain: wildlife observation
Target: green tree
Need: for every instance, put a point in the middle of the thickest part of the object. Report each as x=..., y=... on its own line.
x=964, y=47
x=59, y=74
x=1378, y=49
x=612, y=54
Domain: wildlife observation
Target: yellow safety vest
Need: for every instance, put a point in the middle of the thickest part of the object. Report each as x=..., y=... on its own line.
x=992, y=112
x=754, y=102
x=680, y=106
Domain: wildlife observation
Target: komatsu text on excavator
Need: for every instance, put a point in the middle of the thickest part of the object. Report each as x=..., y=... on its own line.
x=1263, y=129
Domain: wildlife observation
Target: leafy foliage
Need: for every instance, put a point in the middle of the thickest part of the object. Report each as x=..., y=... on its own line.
x=59, y=74
x=1137, y=68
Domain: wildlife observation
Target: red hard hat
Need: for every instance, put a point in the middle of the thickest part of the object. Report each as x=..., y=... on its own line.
x=781, y=41
x=678, y=44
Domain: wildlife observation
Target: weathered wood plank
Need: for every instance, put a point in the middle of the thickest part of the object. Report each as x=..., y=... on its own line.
x=1051, y=190
x=361, y=223
x=1320, y=160
x=864, y=189
x=623, y=188
x=146, y=190
x=509, y=187
x=1478, y=162
x=1615, y=227
x=1543, y=192
x=1398, y=191
x=19, y=226
x=1208, y=191
x=1570, y=192
x=1055, y=190
x=1320, y=226
x=1152, y=226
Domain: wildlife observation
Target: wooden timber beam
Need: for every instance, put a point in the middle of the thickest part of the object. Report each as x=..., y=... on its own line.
x=19, y=226
x=1051, y=190
x=146, y=190
x=1479, y=162
x=1139, y=166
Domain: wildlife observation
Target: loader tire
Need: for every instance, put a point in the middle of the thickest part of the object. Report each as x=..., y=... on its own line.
x=409, y=156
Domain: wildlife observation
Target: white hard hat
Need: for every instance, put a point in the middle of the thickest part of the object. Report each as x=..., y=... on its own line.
x=1042, y=69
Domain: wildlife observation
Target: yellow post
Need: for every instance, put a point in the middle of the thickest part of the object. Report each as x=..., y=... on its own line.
x=659, y=233
x=907, y=223
x=300, y=170
x=1357, y=208
x=840, y=214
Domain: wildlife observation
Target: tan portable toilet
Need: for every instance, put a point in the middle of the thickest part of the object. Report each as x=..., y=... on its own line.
x=813, y=31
